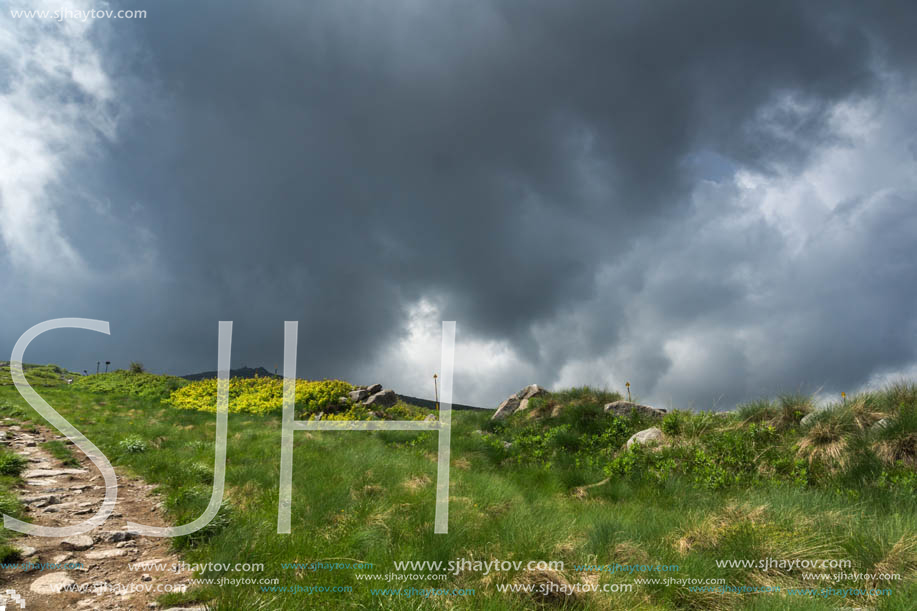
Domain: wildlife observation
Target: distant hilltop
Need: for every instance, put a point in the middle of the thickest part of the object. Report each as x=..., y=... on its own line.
x=243, y=372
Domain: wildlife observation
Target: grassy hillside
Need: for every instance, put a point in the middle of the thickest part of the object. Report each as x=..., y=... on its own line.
x=38, y=375
x=136, y=382
x=552, y=483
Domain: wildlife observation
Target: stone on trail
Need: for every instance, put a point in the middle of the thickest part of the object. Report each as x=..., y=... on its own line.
x=102, y=554
x=52, y=583
x=33, y=473
x=77, y=543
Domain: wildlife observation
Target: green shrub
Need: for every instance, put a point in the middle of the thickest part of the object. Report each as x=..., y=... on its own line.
x=132, y=444
x=260, y=395
x=11, y=463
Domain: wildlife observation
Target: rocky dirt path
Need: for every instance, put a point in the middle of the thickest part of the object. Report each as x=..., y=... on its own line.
x=95, y=563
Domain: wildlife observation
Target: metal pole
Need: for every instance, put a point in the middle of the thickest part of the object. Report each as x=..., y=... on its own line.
x=436, y=390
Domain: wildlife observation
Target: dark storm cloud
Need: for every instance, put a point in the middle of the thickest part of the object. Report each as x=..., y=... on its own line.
x=334, y=163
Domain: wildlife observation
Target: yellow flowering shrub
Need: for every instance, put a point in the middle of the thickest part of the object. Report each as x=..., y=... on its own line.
x=259, y=395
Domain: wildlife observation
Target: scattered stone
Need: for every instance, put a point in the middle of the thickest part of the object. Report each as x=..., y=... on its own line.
x=61, y=558
x=343, y=401
x=118, y=535
x=57, y=507
x=624, y=408
x=77, y=543
x=507, y=445
x=33, y=473
x=358, y=395
x=25, y=551
x=40, y=500
x=647, y=437
x=52, y=583
x=382, y=398
x=105, y=553
x=146, y=577
x=430, y=418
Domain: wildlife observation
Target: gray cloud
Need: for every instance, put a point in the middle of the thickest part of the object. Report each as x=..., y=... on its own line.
x=564, y=180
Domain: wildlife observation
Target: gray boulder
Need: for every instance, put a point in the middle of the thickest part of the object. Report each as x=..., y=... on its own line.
x=382, y=398
x=624, y=408
x=77, y=543
x=647, y=437
x=518, y=401
x=530, y=392
x=358, y=395
x=374, y=389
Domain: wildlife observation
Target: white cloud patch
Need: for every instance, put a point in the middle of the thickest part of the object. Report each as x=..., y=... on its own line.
x=483, y=369
x=56, y=102
x=798, y=281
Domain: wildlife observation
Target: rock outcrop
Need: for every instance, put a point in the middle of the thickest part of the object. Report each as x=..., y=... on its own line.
x=624, y=408
x=518, y=401
x=381, y=398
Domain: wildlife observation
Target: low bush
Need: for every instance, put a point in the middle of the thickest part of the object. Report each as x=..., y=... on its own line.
x=260, y=395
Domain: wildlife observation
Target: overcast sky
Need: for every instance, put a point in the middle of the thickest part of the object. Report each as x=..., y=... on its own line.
x=712, y=200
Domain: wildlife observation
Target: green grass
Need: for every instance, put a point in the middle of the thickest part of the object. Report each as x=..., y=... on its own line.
x=745, y=486
x=38, y=375
x=128, y=382
x=61, y=451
